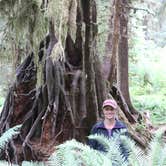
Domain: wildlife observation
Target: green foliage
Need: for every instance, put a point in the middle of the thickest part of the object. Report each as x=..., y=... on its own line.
x=136, y=154
x=24, y=23
x=24, y=163
x=147, y=61
x=5, y=163
x=157, y=148
x=32, y=163
x=154, y=155
x=28, y=19
x=140, y=127
x=155, y=104
x=112, y=147
x=76, y=153
x=7, y=136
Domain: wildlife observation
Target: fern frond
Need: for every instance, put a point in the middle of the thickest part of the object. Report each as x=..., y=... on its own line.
x=32, y=163
x=136, y=155
x=24, y=163
x=5, y=163
x=62, y=157
x=155, y=150
x=162, y=159
x=7, y=136
x=112, y=146
x=102, y=140
x=76, y=153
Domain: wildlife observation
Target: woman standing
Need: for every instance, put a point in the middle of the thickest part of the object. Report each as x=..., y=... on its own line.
x=108, y=126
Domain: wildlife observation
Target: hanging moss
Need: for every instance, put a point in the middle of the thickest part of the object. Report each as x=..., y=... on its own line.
x=64, y=16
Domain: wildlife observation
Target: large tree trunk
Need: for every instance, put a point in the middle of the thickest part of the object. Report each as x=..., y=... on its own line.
x=122, y=60
x=116, y=64
x=110, y=58
x=67, y=103
x=115, y=43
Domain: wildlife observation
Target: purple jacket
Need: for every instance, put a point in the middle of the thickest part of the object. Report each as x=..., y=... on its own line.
x=99, y=128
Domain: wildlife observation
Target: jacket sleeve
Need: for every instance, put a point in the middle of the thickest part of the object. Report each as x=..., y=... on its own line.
x=94, y=143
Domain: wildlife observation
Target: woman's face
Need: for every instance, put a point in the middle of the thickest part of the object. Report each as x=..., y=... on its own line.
x=109, y=112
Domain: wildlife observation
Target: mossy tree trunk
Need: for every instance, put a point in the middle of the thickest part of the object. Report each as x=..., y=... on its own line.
x=67, y=102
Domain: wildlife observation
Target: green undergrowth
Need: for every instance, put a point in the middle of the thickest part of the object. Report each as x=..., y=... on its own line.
x=155, y=104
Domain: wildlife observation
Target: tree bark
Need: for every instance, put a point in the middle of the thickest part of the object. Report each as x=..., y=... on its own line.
x=110, y=59
x=122, y=60
x=66, y=103
x=115, y=43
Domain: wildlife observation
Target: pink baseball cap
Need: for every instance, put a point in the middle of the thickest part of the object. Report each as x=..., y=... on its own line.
x=110, y=102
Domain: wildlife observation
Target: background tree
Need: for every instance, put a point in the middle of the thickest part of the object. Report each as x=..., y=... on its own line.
x=122, y=60
x=117, y=67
